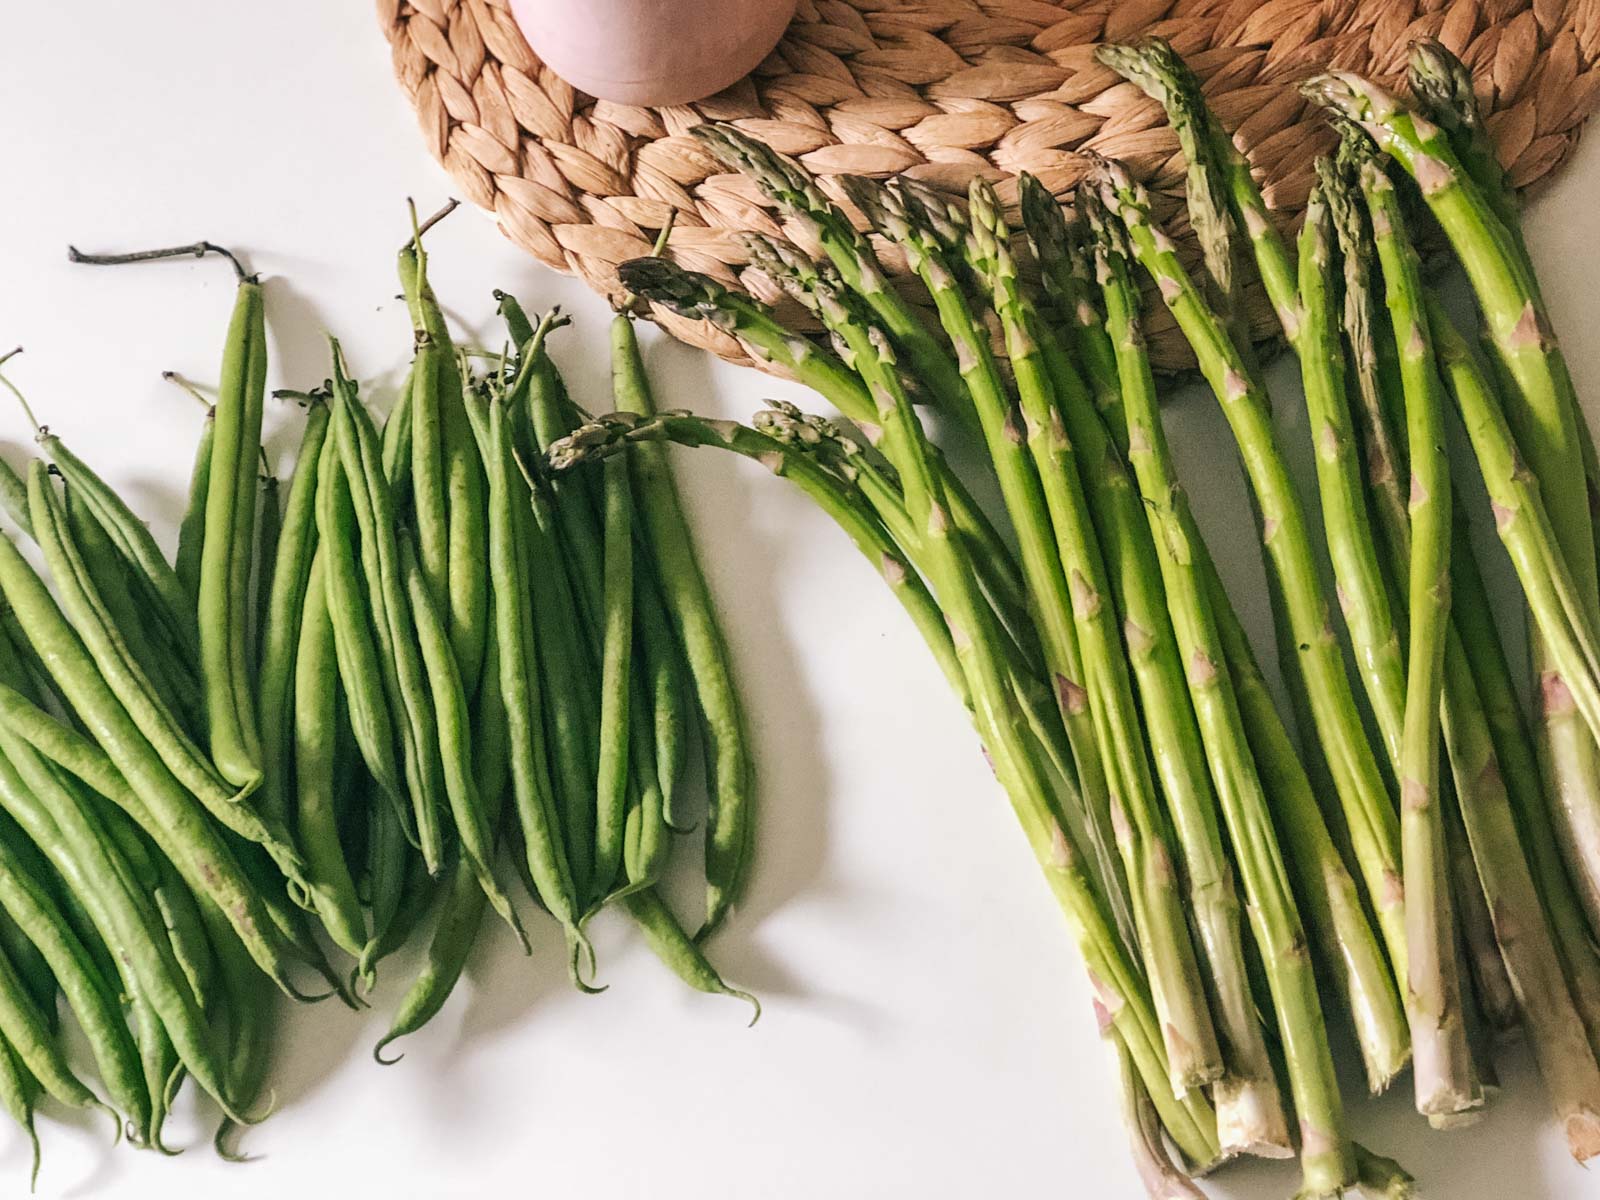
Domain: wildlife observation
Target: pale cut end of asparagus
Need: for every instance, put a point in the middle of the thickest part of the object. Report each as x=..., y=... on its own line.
x=1250, y=1119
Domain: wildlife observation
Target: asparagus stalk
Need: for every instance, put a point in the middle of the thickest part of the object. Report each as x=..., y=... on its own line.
x=1362, y=593
x=1366, y=803
x=694, y=295
x=786, y=183
x=1249, y=1107
x=1541, y=411
x=1547, y=974
x=1020, y=486
x=1275, y=922
x=1065, y=263
x=1350, y=952
x=1491, y=751
x=1447, y=1090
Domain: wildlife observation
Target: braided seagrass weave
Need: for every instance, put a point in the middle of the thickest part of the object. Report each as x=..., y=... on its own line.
x=941, y=90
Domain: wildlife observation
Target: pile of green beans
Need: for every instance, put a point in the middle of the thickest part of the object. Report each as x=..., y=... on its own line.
x=339, y=718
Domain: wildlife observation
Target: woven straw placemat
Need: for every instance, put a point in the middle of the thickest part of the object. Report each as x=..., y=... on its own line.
x=941, y=90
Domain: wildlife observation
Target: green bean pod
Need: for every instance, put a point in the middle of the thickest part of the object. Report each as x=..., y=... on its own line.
x=14, y=497
x=464, y=598
x=157, y=581
x=192, y=529
x=18, y=1090
x=668, y=685
x=159, y=1061
x=678, y=951
x=400, y=658
x=461, y=911
x=90, y=996
x=249, y=1011
x=612, y=784
x=115, y=660
x=225, y=554
x=25, y=1030
x=63, y=824
x=474, y=827
x=174, y=680
x=428, y=503
x=158, y=804
x=288, y=594
x=519, y=681
x=269, y=528
x=315, y=717
x=354, y=640
x=730, y=820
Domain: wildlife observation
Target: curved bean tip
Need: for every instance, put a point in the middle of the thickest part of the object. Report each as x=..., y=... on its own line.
x=220, y=1143
x=377, y=1051
x=580, y=948
x=748, y=998
x=33, y=1177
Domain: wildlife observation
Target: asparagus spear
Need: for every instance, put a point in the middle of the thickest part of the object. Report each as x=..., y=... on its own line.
x=1363, y=596
x=1367, y=806
x=1350, y=951
x=787, y=184
x=1491, y=750
x=1541, y=411
x=759, y=331
x=1274, y=916
x=1249, y=1107
x=1447, y=1089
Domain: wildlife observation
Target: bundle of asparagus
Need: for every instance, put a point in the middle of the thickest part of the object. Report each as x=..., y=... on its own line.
x=1435, y=885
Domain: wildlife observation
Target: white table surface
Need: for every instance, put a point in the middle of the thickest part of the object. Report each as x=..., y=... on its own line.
x=927, y=1027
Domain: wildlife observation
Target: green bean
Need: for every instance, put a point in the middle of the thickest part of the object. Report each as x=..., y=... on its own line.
x=157, y=581
x=17, y=1092
x=180, y=913
x=668, y=684
x=14, y=497
x=462, y=592
x=645, y=844
x=566, y=601
x=249, y=1008
x=269, y=527
x=90, y=996
x=175, y=684
x=102, y=639
x=31, y=966
x=681, y=953
x=226, y=552
x=85, y=855
x=473, y=826
x=519, y=682
x=461, y=911
x=399, y=658
x=161, y=1067
x=288, y=594
x=406, y=902
x=517, y=323
x=616, y=676
x=397, y=444
x=428, y=503
x=460, y=916
x=192, y=529
x=163, y=810
x=730, y=820
x=355, y=644
x=25, y=1030
x=316, y=682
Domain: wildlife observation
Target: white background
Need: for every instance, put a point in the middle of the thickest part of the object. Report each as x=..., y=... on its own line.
x=927, y=1029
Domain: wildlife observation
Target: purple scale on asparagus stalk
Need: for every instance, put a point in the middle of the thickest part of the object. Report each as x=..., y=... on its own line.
x=1070, y=695
x=892, y=570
